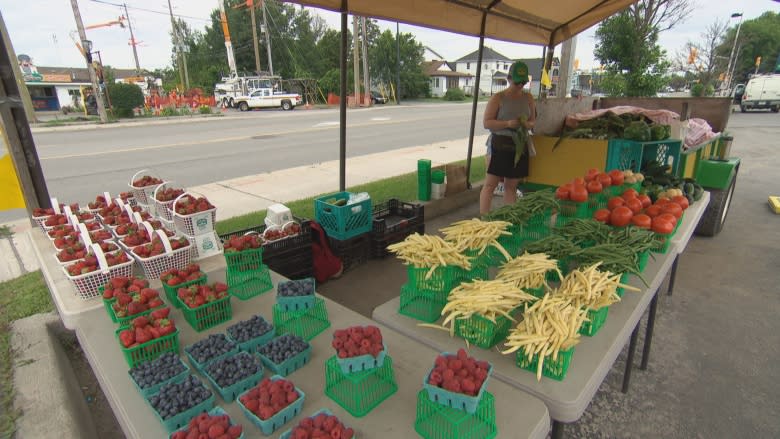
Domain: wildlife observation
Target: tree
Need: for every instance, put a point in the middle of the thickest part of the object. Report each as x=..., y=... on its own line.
x=627, y=45
x=707, y=64
x=757, y=37
x=382, y=57
x=125, y=98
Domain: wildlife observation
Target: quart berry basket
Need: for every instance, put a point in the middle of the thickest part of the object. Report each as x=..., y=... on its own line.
x=171, y=292
x=143, y=195
x=435, y=421
x=288, y=434
x=201, y=367
x=483, y=332
x=422, y=305
x=232, y=391
x=149, y=391
x=252, y=344
x=162, y=209
x=296, y=303
x=596, y=319
x=87, y=285
x=289, y=365
x=216, y=411
x=359, y=393
x=150, y=350
x=455, y=400
x=362, y=362
x=555, y=369
x=181, y=420
x=195, y=224
x=207, y=315
x=306, y=324
x=154, y=266
x=276, y=421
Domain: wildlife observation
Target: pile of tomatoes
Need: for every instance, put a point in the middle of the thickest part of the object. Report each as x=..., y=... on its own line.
x=594, y=182
x=632, y=208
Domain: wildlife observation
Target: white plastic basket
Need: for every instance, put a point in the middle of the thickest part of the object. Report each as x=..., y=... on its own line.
x=154, y=266
x=163, y=208
x=196, y=224
x=277, y=215
x=143, y=195
x=86, y=285
x=42, y=219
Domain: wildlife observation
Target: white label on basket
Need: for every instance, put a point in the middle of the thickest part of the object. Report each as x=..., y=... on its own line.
x=207, y=245
x=357, y=209
x=201, y=223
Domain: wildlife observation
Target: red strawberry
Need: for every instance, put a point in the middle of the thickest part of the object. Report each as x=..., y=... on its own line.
x=127, y=337
x=161, y=313
x=141, y=336
x=140, y=322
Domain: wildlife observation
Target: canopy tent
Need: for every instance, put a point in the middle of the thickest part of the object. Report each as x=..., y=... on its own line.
x=542, y=22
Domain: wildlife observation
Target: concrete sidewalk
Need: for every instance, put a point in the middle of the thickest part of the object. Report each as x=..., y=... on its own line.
x=248, y=194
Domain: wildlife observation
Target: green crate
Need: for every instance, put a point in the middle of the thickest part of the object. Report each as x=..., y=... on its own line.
x=596, y=320
x=149, y=391
x=542, y=219
x=597, y=201
x=623, y=280
x=481, y=260
x=307, y=323
x=343, y=222
x=280, y=418
x=422, y=305
x=570, y=210
x=209, y=314
x=479, y=330
x=623, y=154
x=436, y=421
x=359, y=393
x=245, y=285
x=182, y=419
x=232, y=391
x=555, y=369
x=443, y=278
x=216, y=411
x=246, y=260
x=149, y=350
x=532, y=233
x=172, y=291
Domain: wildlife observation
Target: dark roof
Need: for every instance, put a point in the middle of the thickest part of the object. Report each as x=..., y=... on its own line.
x=431, y=68
x=488, y=54
x=80, y=74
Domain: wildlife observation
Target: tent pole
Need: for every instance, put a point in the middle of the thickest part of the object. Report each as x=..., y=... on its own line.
x=476, y=98
x=343, y=101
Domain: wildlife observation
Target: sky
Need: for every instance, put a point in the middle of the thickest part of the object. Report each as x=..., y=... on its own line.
x=42, y=29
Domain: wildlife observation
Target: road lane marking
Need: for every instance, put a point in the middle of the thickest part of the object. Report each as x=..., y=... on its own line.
x=325, y=124
x=380, y=119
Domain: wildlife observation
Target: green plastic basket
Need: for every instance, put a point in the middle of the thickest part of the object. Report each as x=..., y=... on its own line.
x=149, y=350
x=307, y=323
x=481, y=260
x=289, y=365
x=480, y=331
x=107, y=304
x=149, y=391
x=182, y=419
x=216, y=411
x=247, y=284
x=436, y=421
x=209, y=314
x=442, y=279
x=246, y=260
x=425, y=306
x=359, y=393
x=596, y=320
x=598, y=201
x=232, y=391
x=531, y=233
x=536, y=292
x=662, y=243
x=623, y=280
x=125, y=321
x=551, y=369
x=171, y=292
x=276, y=421
x=343, y=222
x=570, y=210
x=552, y=275
x=644, y=258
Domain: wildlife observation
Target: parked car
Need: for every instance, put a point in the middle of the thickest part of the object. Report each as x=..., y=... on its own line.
x=377, y=98
x=739, y=90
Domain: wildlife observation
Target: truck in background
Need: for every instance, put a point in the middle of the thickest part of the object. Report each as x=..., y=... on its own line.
x=246, y=92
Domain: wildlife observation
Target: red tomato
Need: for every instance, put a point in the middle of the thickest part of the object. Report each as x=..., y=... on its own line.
x=662, y=227
x=616, y=176
x=673, y=208
x=634, y=204
x=578, y=194
x=681, y=200
x=642, y=221
x=653, y=211
x=578, y=180
x=594, y=187
x=602, y=215
x=621, y=216
x=629, y=193
x=615, y=202
x=593, y=172
x=604, y=179
x=661, y=201
x=646, y=201
x=668, y=217
x=562, y=193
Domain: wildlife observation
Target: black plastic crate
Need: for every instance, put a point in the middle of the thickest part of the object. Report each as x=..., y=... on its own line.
x=292, y=265
x=291, y=245
x=394, y=220
x=353, y=251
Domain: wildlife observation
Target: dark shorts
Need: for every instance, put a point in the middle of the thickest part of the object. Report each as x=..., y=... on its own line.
x=502, y=159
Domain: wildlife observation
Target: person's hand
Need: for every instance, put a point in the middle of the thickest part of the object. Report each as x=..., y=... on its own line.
x=513, y=124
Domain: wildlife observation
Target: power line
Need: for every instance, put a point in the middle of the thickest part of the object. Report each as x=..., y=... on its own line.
x=151, y=10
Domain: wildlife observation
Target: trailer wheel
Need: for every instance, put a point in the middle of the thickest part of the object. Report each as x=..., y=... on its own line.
x=243, y=106
x=714, y=217
x=287, y=105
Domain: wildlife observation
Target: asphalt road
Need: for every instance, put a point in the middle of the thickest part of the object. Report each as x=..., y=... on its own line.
x=80, y=164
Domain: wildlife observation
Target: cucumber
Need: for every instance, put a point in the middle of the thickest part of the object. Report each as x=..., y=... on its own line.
x=688, y=189
x=698, y=191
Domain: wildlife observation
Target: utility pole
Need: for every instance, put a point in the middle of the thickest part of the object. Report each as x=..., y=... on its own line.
x=732, y=64
x=267, y=41
x=251, y=5
x=132, y=40
x=177, y=43
x=398, y=66
x=355, y=59
x=87, y=45
x=364, y=46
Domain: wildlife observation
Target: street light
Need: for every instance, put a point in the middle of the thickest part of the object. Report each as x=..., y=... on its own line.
x=732, y=67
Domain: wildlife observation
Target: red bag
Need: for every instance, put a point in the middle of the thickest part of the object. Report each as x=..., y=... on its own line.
x=326, y=264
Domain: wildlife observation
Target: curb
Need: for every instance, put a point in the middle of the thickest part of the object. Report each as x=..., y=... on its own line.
x=47, y=392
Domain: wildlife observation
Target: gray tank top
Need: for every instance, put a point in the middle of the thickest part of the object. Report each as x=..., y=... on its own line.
x=512, y=108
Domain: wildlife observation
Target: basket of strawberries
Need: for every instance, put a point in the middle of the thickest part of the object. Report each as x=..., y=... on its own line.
x=89, y=274
x=162, y=254
x=175, y=279
x=142, y=188
x=205, y=306
x=193, y=216
x=163, y=199
x=148, y=337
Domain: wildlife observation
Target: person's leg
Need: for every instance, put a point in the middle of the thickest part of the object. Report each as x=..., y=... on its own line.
x=486, y=195
x=510, y=190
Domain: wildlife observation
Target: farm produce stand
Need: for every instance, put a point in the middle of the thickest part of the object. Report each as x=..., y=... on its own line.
x=517, y=412
x=593, y=357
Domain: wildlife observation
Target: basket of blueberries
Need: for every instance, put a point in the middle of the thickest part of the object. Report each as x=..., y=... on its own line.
x=285, y=354
x=295, y=295
x=251, y=333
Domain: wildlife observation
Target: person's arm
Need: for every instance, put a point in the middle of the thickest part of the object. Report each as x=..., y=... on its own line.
x=531, y=122
x=490, y=121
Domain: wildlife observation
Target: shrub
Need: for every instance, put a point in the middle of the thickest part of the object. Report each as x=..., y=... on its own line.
x=697, y=90
x=454, y=94
x=125, y=98
x=169, y=111
x=709, y=90
x=204, y=109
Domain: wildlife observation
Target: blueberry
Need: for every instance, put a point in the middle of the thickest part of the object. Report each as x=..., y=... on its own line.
x=209, y=348
x=175, y=398
x=248, y=329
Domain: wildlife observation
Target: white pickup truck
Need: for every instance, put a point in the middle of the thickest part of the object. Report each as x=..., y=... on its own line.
x=266, y=98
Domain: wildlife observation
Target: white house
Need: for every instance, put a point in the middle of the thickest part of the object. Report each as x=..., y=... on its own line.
x=495, y=68
x=442, y=77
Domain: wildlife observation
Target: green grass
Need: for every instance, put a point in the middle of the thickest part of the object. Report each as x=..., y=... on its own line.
x=19, y=298
x=403, y=187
